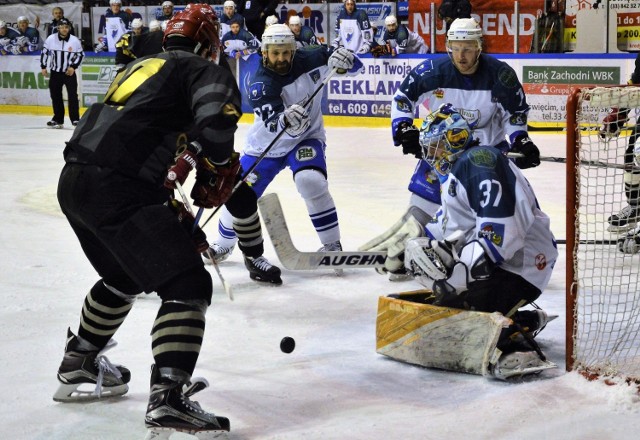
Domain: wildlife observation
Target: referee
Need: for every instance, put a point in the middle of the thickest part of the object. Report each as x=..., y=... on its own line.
x=62, y=53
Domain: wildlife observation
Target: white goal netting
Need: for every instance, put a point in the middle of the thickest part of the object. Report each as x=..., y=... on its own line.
x=603, y=283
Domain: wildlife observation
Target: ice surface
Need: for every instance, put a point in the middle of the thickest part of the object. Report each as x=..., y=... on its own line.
x=334, y=385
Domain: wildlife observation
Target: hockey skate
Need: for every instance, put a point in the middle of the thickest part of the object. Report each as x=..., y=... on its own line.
x=626, y=219
x=220, y=253
x=88, y=375
x=531, y=322
x=261, y=270
x=335, y=246
x=519, y=363
x=170, y=410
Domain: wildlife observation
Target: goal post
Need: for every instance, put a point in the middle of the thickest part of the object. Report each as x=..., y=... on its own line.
x=602, y=283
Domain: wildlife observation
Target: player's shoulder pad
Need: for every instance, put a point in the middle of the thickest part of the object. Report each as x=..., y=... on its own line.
x=504, y=74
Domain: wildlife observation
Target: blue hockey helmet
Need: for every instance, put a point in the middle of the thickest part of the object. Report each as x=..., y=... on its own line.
x=445, y=134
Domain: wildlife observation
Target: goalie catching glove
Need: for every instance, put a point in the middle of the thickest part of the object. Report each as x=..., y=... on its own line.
x=342, y=60
x=438, y=266
x=215, y=182
x=295, y=120
x=613, y=123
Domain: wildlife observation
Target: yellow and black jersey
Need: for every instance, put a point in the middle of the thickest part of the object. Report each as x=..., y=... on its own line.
x=153, y=107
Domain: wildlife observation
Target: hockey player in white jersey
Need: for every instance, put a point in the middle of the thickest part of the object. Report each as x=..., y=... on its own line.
x=283, y=82
x=398, y=39
x=486, y=91
x=353, y=29
x=489, y=247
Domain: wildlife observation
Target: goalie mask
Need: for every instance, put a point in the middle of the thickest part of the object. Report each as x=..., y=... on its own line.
x=278, y=48
x=444, y=136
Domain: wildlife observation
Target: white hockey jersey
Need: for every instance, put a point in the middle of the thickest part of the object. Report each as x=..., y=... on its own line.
x=270, y=93
x=354, y=31
x=487, y=198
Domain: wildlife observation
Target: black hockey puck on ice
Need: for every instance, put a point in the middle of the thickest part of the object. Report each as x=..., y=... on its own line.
x=287, y=344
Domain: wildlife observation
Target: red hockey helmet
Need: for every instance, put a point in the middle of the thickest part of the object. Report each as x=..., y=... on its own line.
x=199, y=23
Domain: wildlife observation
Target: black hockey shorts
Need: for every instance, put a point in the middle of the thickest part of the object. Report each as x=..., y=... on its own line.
x=132, y=239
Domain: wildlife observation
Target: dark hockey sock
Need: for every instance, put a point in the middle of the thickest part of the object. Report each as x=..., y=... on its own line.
x=103, y=311
x=249, y=232
x=177, y=336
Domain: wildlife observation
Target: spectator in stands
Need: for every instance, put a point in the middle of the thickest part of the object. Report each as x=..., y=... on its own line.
x=124, y=55
x=118, y=22
x=167, y=11
x=353, y=29
x=398, y=39
x=28, y=39
x=255, y=13
x=449, y=10
x=7, y=35
x=304, y=34
x=229, y=13
x=239, y=42
x=58, y=14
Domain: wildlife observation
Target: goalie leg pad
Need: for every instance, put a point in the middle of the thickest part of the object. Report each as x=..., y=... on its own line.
x=392, y=241
x=438, y=337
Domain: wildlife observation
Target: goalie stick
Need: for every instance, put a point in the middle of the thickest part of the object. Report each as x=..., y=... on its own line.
x=293, y=259
x=225, y=284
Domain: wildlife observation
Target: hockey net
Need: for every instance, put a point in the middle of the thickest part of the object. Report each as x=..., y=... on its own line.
x=603, y=284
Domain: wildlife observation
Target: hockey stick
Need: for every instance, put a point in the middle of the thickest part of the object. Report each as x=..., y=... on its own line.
x=270, y=146
x=293, y=259
x=187, y=204
x=593, y=163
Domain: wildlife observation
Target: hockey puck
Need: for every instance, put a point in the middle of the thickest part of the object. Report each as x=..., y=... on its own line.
x=287, y=344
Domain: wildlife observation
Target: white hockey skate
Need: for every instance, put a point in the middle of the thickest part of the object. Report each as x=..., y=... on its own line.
x=220, y=253
x=335, y=246
x=88, y=375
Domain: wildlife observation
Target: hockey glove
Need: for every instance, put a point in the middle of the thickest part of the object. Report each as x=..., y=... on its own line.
x=295, y=120
x=198, y=237
x=186, y=160
x=342, y=60
x=384, y=49
x=409, y=137
x=214, y=183
x=613, y=123
x=630, y=243
x=365, y=48
x=522, y=144
x=437, y=265
x=16, y=50
x=100, y=47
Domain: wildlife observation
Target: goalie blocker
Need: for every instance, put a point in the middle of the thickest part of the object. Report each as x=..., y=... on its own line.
x=410, y=329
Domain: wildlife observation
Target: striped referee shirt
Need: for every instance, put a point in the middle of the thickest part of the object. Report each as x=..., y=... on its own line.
x=58, y=54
